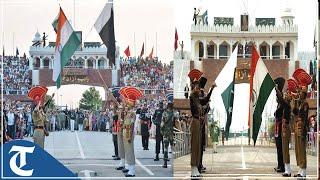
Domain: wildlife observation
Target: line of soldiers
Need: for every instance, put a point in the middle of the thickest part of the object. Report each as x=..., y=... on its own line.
x=292, y=107
x=199, y=104
x=123, y=133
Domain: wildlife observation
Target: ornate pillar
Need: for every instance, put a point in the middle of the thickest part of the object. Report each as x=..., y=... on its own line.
x=96, y=64
x=205, y=50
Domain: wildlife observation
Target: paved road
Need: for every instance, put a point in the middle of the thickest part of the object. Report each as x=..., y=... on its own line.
x=90, y=154
x=238, y=162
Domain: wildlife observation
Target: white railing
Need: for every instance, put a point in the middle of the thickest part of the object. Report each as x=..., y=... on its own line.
x=236, y=29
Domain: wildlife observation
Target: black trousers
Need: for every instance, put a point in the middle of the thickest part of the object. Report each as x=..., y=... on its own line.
x=159, y=140
x=115, y=144
x=11, y=131
x=279, y=151
x=202, y=144
x=145, y=141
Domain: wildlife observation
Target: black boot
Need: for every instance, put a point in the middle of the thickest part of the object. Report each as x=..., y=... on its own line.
x=165, y=164
x=157, y=157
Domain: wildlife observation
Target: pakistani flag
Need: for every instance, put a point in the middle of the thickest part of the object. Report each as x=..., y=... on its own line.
x=105, y=27
x=66, y=44
x=261, y=86
x=225, y=84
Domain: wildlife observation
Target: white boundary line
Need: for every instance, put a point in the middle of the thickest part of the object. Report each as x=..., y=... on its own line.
x=111, y=165
x=80, y=147
x=243, y=164
x=144, y=168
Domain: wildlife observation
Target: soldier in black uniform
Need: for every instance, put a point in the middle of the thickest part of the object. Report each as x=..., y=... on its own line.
x=197, y=111
x=206, y=108
x=145, y=126
x=157, y=118
x=278, y=114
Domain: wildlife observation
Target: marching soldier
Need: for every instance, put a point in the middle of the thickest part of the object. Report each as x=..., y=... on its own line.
x=197, y=111
x=145, y=127
x=119, y=130
x=206, y=108
x=278, y=114
x=130, y=94
x=167, y=130
x=300, y=111
x=286, y=131
x=39, y=117
x=128, y=135
x=115, y=132
x=40, y=121
x=157, y=117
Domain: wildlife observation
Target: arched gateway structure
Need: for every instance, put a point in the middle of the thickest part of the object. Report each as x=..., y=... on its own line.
x=212, y=44
x=88, y=66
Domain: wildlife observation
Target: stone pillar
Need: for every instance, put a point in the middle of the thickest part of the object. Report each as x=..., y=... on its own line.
x=107, y=63
x=230, y=48
x=244, y=50
x=86, y=63
x=218, y=48
x=96, y=64
x=41, y=63
x=270, y=51
x=284, y=50
x=205, y=50
x=31, y=60
x=193, y=49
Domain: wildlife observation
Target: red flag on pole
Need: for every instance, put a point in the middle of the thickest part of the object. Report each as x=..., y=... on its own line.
x=142, y=50
x=127, y=52
x=151, y=54
x=176, y=40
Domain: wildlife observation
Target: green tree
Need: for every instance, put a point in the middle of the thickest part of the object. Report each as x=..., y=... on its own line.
x=91, y=100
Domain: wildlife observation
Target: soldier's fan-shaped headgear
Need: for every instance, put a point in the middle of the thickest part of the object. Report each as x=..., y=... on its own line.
x=292, y=85
x=195, y=75
x=169, y=97
x=130, y=94
x=302, y=77
x=37, y=93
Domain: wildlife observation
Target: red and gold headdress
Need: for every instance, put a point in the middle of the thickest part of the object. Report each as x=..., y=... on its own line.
x=195, y=75
x=292, y=85
x=130, y=94
x=37, y=93
x=303, y=79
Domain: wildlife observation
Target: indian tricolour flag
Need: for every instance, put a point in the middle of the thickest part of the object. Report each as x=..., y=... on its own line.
x=225, y=86
x=261, y=86
x=66, y=44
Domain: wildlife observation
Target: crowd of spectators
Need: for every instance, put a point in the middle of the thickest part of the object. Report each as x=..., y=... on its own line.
x=16, y=77
x=146, y=73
